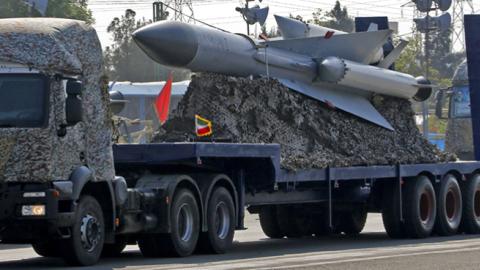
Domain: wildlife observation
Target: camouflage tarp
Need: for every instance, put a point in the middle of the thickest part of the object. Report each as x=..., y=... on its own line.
x=66, y=47
x=311, y=134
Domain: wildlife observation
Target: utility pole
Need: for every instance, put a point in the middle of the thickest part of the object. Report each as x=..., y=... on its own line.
x=460, y=8
x=427, y=75
x=159, y=12
x=425, y=25
x=253, y=15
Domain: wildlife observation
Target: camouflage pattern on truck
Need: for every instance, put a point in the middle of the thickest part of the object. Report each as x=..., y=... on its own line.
x=458, y=138
x=67, y=48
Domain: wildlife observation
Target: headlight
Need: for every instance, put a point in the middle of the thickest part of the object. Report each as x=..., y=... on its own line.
x=33, y=210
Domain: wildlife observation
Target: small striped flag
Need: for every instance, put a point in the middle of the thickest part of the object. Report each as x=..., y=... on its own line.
x=203, y=127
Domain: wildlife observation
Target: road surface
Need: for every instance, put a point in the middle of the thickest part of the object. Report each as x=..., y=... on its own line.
x=371, y=250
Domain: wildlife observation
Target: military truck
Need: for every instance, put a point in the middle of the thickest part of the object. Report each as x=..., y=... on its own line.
x=69, y=191
x=453, y=104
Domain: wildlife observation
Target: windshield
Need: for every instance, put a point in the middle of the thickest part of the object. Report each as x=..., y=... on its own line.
x=460, y=106
x=23, y=100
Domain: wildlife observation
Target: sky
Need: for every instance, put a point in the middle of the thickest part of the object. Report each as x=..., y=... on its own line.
x=221, y=13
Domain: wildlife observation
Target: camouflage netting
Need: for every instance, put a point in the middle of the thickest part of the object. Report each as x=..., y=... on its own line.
x=57, y=47
x=311, y=134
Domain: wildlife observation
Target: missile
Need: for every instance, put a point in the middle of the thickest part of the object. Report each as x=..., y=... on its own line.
x=333, y=70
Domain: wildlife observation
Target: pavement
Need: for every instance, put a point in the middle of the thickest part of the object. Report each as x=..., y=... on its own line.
x=372, y=249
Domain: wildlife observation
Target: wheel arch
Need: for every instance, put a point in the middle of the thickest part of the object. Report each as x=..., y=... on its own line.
x=99, y=191
x=429, y=175
x=84, y=184
x=458, y=176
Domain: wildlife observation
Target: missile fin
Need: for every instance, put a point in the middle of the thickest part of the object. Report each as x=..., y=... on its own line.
x=344, y=46
x=348, y=102
x=393, y=55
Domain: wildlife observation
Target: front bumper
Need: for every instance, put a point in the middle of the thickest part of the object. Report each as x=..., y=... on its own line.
x=17, y=228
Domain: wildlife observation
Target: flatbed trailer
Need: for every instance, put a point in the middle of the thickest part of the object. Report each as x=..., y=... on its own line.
x=297, y=201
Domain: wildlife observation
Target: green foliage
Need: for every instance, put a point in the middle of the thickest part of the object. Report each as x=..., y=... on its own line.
x=273, y=32
x=442, y=62
x=125, y=61
x=337, y=18
x=70, y=9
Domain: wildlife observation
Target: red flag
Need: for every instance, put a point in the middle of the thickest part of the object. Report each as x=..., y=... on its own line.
x=329, y=34
x=162, y=102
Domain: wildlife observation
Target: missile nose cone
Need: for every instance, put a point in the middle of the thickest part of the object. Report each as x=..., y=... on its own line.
x=168, y=43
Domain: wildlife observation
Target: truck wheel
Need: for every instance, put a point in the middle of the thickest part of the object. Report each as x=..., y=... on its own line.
x=471, y=205
x=420, y=207
x=221, y=223
x=449, y=207
x=115, y=249
x=47, y=249
x=269, y=222
x=287, y=221
x=185, y=229
x=391, y=213
x=87, y=235
x=352, y=222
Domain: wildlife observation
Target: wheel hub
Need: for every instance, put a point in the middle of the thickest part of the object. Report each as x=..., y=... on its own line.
x=90, y=232
x=426, y=207
x=185, y=222
x=222, y=220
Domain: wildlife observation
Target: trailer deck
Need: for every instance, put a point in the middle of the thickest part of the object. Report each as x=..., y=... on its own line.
x=168, y=153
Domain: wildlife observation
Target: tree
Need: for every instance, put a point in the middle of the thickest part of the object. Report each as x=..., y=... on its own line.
x=270, y=34
x=70, y=9
x=337, y=18
x=441, y=57
x=125, y=61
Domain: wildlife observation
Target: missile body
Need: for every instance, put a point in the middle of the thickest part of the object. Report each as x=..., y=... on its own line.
x=328, y=70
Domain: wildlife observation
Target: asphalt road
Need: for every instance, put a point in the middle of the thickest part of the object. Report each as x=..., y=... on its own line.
x=371, y=250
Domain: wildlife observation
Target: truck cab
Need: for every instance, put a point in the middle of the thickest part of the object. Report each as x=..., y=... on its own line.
x=453, y=104
x=56, y=162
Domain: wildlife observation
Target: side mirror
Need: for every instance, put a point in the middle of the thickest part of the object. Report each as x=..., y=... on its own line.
x=74, y=108
x=441, y=111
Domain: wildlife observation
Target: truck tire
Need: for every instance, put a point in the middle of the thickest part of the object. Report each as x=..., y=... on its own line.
x=85, y=245
x=420, y=207
x=471, y=205
x=220, y=223
x=47, y=249
x=287, y=221
x=115, y=249
x=269, y=222
x=391, y=213
x=184, y=226
x=352, y=222
x=449, y=207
